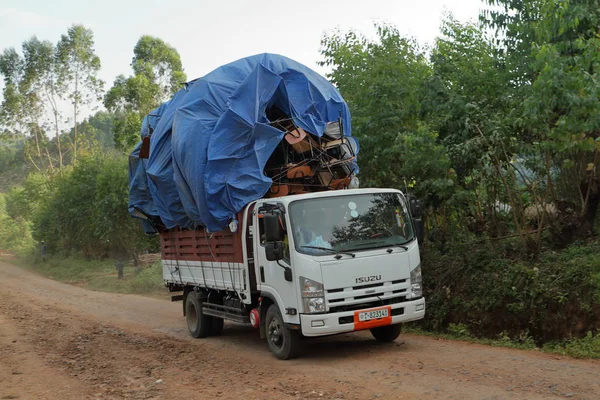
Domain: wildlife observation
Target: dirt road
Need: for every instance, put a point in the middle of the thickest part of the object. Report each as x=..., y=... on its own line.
x=63, y=342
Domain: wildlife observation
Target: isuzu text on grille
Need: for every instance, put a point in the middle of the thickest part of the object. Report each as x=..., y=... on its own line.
x=372, y=278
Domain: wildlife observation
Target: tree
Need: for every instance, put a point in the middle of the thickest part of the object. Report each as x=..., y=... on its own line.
x=86, y=209
x=41, y=80
x=550, y=56
x=14, y=234
x=383, y=83
x=158, y=74
x=117, y=229
x=22, y=109
x=78, y=66
x=98, y=127
x=11, y=117
x=466, y=105
x=160, y=64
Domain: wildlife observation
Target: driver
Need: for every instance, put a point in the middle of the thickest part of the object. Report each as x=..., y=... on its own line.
x=315, y=230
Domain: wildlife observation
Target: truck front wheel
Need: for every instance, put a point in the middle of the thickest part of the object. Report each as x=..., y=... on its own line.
x=283, y=343
x=387, y=333
x=200, y=325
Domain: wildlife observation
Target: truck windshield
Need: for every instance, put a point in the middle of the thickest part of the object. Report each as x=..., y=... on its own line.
x=350, y=223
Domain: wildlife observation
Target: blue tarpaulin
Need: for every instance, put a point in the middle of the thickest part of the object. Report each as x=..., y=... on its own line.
x=210, y=143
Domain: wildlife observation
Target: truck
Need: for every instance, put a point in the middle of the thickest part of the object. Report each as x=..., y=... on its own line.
x=287, y=244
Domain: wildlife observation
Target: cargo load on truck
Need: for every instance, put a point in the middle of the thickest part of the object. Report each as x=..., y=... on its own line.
x=262, y=126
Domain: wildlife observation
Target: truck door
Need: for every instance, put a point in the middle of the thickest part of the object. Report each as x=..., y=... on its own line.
x=271, y=274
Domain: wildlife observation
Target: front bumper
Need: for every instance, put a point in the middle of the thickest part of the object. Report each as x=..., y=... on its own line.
x=329, y=324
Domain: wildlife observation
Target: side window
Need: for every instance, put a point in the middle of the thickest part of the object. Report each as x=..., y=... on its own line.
x=261, y=230
x=286, y=248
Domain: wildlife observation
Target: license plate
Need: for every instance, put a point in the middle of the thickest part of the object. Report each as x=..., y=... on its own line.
x=373, y=314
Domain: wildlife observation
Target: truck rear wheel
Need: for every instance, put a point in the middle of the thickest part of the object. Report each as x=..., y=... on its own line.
x=283, y=343
x=200, y=325
x=387, y=333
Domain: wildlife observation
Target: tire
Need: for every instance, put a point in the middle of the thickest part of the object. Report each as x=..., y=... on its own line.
x=200, y=325
x=283, y=343
x=387, y=333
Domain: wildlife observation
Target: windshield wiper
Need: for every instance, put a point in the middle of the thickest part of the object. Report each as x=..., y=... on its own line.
x=337, y=253
x=401, y=245
x=389, y=250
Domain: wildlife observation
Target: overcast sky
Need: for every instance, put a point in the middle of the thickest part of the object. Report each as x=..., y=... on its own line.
x=209, y=34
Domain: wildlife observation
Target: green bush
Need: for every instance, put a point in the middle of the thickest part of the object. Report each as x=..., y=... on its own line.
x=15, y=234
x=483, y=292
x=586, y=347
x=148, y=280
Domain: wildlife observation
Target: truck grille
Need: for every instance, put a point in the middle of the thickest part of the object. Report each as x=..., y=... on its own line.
x=367, y=296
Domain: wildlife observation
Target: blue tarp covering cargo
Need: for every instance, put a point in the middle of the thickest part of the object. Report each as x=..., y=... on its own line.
x=210, y=143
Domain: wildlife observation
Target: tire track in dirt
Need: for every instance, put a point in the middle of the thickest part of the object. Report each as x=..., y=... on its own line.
x=75, y=343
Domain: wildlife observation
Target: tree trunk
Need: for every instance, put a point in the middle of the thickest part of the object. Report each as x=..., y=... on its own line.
x=50, y=164
x=37, y=142
x=75, y=103
x=75, y=133
x=60, y=157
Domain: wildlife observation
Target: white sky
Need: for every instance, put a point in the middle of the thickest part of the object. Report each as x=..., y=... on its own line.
x=209, y=34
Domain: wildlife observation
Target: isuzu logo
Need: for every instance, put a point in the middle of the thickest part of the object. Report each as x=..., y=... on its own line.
x=365, y=279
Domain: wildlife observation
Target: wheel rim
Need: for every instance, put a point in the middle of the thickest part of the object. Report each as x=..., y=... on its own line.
x=276, y=333
x=192, y=317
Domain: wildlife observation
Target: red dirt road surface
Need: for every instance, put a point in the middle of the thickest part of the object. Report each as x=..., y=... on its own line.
x=59, y=341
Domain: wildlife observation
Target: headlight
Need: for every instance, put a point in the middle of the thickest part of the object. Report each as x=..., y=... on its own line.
x=314, y=305
x=312, y=296
x=416, y=282
x=311, y=288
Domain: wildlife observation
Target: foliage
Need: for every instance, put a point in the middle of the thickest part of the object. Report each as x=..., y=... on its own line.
x=98, y=128
x=77, y=67
x=15, y=235
x=43, y=91
x=488, y=294
x=382, y=81
x=37, y=82
x=586, y=347
x=87, y=211
x=8, y=156
x=549, y=52
x=27, y=82
x=158, y=74
x=499, y=136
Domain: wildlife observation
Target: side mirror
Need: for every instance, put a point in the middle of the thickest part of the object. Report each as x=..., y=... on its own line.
x=273, y=229
x=420, y=229
x=415, y=208
x=274, y=251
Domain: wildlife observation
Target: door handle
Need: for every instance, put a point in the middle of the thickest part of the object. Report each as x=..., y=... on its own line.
x=262, y=274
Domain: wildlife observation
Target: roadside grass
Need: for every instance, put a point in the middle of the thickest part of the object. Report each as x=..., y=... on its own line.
x=98, y=275
x=584, y=348
x=102, y=276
